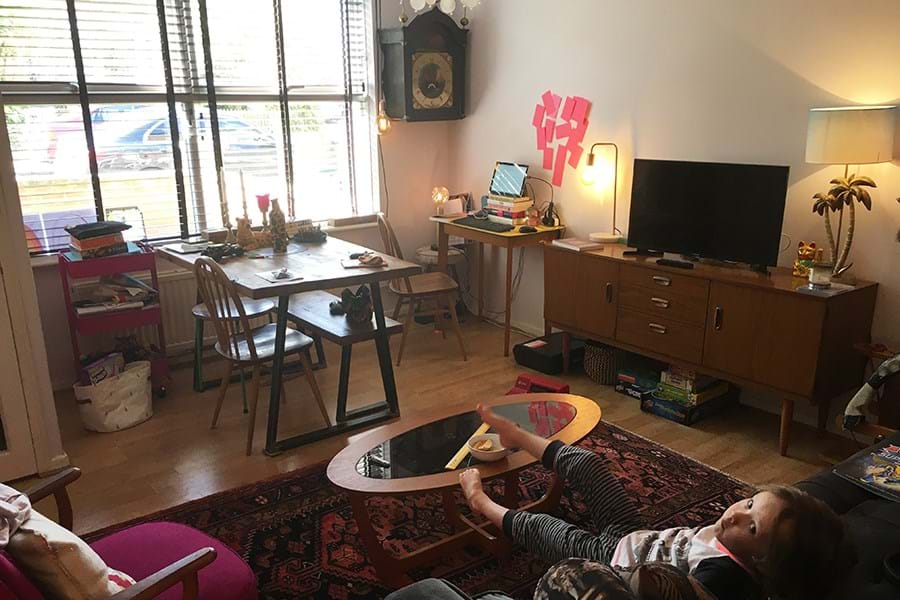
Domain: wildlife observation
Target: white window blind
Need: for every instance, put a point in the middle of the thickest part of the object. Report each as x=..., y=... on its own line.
x=288, y=110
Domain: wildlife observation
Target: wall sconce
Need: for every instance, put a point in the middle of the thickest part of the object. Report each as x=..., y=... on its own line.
x=382, y=121
x=603, y=173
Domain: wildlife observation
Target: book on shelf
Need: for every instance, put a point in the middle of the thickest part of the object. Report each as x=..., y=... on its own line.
x=88, y=307
x=690, y=381
x=676, y=394
x=102, y=241
x=514, y=206
x=577, y=245
x=875, y=469
x=99, y=251
x=506, y=214
x=505, y=221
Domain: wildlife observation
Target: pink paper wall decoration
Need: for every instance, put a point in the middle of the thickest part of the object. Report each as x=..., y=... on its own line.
x=567, y=133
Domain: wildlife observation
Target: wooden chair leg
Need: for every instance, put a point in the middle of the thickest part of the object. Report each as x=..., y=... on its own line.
x=254, y=397
x=410, y=313
x=223, y=387
x=455, y=321
x=314, y=386
x=397, y=308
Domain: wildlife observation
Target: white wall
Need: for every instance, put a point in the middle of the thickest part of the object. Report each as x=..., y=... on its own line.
x=719, y=80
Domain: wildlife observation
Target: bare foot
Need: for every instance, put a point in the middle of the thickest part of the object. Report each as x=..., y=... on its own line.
x=508, y=431
x=470, y=481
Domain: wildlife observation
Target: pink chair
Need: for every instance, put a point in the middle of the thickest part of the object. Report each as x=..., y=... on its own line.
x=169, y=561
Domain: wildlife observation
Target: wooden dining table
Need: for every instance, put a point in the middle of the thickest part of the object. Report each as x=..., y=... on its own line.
x=319, y=268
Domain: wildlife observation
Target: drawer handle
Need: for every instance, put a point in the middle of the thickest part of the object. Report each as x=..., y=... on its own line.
x=717, y=319
x=657, y=328
x=660, y=302
x=609, y=293
x=660, y=280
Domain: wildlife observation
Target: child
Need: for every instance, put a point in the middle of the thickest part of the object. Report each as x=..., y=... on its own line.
x=780, y=540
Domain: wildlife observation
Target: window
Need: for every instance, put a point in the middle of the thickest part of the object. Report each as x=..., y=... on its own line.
x=128, y=109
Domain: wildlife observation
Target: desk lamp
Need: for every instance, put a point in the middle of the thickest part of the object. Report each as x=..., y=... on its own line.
x=595, y=173
x=849, y=135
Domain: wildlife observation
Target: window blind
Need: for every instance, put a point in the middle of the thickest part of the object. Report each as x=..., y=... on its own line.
x=302, y=134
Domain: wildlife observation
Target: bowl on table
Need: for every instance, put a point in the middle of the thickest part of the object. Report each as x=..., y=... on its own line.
x=487, y=447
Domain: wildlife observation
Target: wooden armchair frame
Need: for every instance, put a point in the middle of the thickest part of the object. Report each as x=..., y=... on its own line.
x=183, y=571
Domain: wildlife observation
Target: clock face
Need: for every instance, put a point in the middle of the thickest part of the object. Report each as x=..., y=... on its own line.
x=432, y=80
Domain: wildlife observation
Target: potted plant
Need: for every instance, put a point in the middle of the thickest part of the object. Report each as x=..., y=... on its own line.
x=845, y=191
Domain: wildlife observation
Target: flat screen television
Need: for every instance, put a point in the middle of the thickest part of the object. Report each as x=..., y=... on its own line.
x=729, y=212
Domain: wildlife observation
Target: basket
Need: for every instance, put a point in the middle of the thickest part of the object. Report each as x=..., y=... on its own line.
x=117, y=402
x=600, y=362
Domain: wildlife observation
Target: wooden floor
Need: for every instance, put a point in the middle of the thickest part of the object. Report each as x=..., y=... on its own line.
x=175, y=457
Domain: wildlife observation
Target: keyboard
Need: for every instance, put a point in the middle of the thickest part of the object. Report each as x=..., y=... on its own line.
x=484, y=224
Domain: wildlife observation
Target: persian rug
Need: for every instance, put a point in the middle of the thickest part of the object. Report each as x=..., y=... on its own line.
x=298, y=533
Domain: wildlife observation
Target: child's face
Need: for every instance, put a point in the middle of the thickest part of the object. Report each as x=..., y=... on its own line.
x=747, y=526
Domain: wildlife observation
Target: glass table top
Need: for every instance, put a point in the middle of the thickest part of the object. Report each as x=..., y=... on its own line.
x=426, y=449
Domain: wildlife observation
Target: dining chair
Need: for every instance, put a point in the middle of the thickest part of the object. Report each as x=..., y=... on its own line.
x=244, y=346
x=415, y=289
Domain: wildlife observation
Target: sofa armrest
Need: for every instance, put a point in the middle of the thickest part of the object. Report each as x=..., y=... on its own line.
x=56, y=486
x=183, y=571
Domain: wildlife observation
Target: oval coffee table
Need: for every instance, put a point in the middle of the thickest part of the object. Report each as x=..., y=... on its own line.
x=409, y=457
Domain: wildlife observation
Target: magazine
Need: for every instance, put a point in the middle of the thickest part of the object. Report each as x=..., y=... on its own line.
x=876, y=469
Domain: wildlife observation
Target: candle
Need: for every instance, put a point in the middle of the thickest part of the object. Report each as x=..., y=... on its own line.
x=223, y=199
x=243, y=195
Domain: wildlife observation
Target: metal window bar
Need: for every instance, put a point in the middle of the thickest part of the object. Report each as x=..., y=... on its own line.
x=85, y=111
x=211, y=96
x=285, y=107
x=173, y=119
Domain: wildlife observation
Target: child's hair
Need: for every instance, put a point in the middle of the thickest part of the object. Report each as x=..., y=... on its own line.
x=811, y=552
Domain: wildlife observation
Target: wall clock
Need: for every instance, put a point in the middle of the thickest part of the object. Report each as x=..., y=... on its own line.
x=424, y=73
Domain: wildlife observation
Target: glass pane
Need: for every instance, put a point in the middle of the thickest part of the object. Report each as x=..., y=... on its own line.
x=120, y=41
x=36, y=41
x=50, y=159
x=425, y=450
x=242, y=43
x=137, y=175
x=314, y=46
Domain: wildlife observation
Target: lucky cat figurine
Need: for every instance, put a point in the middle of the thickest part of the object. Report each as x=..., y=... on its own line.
x=806, y=255
x=245, y=237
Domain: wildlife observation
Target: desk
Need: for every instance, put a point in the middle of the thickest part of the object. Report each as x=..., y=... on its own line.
x=508, y=239
x=320, y=266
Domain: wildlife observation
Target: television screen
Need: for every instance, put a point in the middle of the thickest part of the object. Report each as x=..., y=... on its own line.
x=509, y=179
x=713, y=210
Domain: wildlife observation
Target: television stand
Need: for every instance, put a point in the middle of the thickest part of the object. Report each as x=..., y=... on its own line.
x=642, y=252
x=761, y=269
x=671, y=262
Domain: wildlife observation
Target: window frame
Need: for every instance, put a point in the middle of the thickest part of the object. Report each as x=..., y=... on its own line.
x=90, y=95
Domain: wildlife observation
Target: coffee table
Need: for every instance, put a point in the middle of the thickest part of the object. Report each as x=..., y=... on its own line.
x=408, y=457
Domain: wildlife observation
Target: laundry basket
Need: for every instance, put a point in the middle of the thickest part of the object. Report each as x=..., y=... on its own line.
x=600, y=362
x=117, y=402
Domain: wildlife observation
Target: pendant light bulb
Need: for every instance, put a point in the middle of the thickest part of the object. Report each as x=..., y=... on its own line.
x=382, y=121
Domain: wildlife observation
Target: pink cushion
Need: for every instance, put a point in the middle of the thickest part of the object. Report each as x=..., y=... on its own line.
x=144, y=549
x=13, y=583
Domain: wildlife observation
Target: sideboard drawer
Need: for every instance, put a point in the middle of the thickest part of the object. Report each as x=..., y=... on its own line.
x=657, y=279
x=664, y=303
x=672, y=338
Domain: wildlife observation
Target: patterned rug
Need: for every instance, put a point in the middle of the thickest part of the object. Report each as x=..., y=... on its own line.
x=298, y=533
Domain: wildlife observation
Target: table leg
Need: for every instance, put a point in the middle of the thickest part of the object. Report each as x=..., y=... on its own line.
x=344, y=382
x=443, y=247
x=383, y=348
x=509, y=266
x=787, y=415
x=481, y=281
x=277, y=365
x=511, y=490
x=386, y=567
x=451, y=511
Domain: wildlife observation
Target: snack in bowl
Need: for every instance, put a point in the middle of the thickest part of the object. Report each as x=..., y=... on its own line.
x=487, y=447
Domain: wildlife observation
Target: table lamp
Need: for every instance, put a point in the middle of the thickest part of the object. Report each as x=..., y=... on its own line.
x=603, y=173
x=440, y=195
x=850, y=135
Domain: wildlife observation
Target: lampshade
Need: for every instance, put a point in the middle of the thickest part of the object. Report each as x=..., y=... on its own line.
x=850, y=135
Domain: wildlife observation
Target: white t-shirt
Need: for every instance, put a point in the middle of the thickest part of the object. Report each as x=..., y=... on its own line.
x=681, y=547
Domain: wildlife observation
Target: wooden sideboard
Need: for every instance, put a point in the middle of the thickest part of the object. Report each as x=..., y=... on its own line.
x=754, y=330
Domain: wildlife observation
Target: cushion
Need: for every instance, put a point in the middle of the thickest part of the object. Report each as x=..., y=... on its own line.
x=13, y=583
x=144, y=549
x=581, y=578
x=60, y=564
x=662, y=581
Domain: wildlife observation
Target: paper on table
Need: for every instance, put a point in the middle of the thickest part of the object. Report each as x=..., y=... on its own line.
x=271, y=276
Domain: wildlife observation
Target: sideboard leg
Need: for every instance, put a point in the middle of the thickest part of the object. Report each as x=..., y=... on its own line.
x=566, y=350
x=824, y=405
x=787, y=415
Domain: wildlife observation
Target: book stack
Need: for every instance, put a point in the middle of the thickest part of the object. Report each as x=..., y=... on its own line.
x=688, y=387
x=95, y=240
x=577, y=245
x=509, y=211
